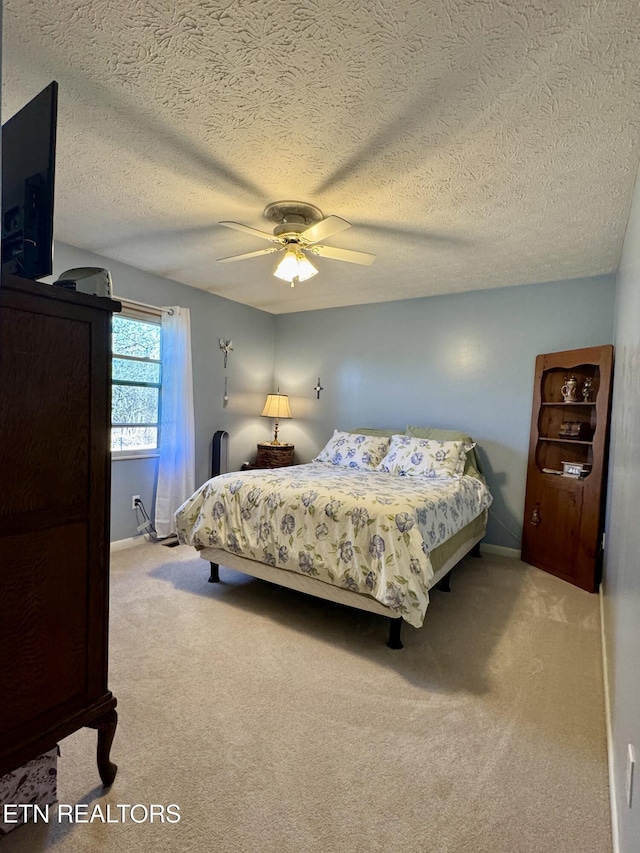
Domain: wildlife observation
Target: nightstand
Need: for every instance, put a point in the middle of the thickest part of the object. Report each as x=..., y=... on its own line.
x=273, y=455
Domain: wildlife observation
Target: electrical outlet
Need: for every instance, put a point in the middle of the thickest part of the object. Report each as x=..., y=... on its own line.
x=631, y=763
x=134, y=501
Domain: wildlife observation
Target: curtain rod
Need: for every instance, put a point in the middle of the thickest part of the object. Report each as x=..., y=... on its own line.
x=138, y=304
x=155, y=309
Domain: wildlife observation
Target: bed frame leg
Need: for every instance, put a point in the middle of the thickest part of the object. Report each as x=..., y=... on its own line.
x=475, y=551
x=394, y=641
x=444, y=584
x=214, y=577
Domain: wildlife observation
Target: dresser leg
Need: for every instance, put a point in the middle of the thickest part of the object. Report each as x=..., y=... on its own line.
x=214, y=577
x=106, y=726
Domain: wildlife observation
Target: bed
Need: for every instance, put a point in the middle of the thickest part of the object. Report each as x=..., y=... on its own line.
x=360, y=525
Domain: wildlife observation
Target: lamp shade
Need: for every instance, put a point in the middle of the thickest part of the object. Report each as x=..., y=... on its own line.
x=295, y=265
x=277, y=406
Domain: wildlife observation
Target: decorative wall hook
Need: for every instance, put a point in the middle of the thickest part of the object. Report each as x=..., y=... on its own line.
x=226, y=347
x=318, y=388
x=225, y=399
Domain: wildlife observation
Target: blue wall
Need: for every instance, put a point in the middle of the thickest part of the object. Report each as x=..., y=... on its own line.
x=463, y=361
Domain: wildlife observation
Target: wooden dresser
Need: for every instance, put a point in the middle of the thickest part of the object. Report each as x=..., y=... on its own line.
x=55, y=399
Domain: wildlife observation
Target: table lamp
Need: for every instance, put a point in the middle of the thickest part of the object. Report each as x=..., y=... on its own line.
x=277, y=406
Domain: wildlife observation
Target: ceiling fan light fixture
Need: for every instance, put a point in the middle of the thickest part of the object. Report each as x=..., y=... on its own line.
x=295, y=266
x=300, y=229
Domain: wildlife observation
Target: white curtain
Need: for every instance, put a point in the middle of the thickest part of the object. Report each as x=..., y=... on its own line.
x=176, y=467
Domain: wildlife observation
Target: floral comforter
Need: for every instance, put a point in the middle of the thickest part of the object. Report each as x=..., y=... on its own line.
x=366, y=531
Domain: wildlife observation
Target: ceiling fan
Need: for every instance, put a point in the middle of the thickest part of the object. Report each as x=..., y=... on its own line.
x=298, y=231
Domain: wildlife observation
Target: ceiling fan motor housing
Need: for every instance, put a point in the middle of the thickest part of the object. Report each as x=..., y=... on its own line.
x=292, y=217
x=293, y=228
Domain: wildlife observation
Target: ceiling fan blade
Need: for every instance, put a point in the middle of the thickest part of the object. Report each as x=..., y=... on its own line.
x=325, y=228
x=248, y=230
x=268, y=251
x=342, y=254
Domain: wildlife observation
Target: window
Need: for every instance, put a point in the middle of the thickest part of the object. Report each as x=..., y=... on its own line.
x=136, y=382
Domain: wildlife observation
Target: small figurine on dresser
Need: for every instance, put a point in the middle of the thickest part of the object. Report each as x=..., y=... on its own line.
x=587, y=390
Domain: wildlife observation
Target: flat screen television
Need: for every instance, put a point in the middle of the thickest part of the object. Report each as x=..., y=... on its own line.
x=28, y=174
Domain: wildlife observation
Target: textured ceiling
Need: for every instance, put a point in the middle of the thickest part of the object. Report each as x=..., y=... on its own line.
x=470, y=143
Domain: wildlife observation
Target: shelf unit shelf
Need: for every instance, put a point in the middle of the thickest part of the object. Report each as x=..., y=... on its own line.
x=577, y=403
x=565, y=440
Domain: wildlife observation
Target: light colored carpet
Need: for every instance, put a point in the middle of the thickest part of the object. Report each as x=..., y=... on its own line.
x=283, y=724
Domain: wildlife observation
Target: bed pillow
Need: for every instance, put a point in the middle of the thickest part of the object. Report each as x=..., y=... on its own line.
x=354, y=450
x=472, y=463
x=422, y=457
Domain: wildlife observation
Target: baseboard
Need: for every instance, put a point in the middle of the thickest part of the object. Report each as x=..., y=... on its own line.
x=499, y=549
x=132, y=542
x=607, y=714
